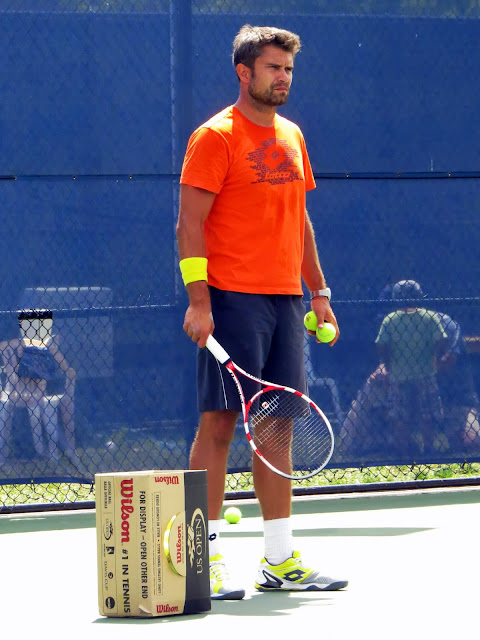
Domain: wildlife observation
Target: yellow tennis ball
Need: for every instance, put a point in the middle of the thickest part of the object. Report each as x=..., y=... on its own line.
x=310, y=321
x=327, y=333
x=232, y=515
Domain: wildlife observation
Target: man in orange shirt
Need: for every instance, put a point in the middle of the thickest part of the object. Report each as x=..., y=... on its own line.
x=245, y=242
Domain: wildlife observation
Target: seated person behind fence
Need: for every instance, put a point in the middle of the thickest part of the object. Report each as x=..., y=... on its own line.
x=457, y=389
x=359, y=429
x=403, y=390
x=410, y=341
x=28, y=364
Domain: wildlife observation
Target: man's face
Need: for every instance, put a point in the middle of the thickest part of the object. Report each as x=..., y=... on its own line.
x=271, y=77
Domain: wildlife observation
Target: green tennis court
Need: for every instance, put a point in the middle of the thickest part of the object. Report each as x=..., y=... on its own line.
x=411, y=558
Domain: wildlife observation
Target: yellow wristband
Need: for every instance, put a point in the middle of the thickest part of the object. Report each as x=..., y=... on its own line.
x=193, y=269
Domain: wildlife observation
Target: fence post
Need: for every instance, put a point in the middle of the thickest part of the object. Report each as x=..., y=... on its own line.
x=181, y=61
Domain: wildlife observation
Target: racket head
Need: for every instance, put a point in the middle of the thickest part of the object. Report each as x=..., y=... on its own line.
x=289, y=432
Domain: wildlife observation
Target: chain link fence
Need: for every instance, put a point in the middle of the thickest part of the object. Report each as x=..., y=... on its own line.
x=99, y=99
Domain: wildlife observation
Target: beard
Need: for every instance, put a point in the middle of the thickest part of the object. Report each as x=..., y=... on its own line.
x=268, y=97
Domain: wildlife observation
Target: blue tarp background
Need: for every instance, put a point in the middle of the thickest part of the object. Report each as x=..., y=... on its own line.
x=97, y=105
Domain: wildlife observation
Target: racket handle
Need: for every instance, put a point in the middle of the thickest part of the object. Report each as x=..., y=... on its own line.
x=217, y=350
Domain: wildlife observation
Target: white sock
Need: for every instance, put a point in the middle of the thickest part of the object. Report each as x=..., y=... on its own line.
x=278, y=539
x=214, y=537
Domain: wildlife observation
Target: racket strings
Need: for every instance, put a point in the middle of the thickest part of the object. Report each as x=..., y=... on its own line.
x=289, y=433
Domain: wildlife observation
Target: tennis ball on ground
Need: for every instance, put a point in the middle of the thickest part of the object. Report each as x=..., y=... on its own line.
x=232, y=515
x=326, y=334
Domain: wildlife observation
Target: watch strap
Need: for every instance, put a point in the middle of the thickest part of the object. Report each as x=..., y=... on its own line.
x=321, y=292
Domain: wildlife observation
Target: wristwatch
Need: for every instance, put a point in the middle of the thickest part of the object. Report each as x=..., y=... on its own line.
x=321, y=292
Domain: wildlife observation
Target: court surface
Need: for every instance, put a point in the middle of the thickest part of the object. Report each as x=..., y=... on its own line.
x=412, y=559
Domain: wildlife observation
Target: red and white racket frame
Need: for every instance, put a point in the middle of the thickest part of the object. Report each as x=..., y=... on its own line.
x=224, y=358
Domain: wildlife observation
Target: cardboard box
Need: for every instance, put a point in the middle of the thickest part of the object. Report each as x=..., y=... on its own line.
x=152, y=543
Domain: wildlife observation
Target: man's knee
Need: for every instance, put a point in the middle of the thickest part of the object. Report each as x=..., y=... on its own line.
x=219, y=426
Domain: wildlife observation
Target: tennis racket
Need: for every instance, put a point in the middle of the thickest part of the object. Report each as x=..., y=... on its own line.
x=286, y=430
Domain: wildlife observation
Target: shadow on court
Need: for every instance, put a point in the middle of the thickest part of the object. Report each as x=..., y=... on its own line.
x=258, y=605
x=344, y=531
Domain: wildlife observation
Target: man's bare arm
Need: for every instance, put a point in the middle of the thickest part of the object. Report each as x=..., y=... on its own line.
x=195, y=206
x=314, y=278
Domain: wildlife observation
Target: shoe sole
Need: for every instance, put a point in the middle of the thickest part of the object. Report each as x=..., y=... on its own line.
x=333, y=586
x=232, y=595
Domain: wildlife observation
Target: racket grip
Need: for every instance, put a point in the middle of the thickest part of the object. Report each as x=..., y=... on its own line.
x=217, y=350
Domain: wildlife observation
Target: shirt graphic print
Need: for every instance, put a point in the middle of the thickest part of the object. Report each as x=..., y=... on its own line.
x=274, y=162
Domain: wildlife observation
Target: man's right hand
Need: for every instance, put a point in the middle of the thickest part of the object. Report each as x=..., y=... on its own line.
x=198, y=323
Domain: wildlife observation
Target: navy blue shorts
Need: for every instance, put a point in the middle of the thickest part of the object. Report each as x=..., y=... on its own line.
x=263, y=334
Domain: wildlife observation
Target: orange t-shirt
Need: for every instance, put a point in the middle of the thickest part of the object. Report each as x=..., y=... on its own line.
x=255, y=230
